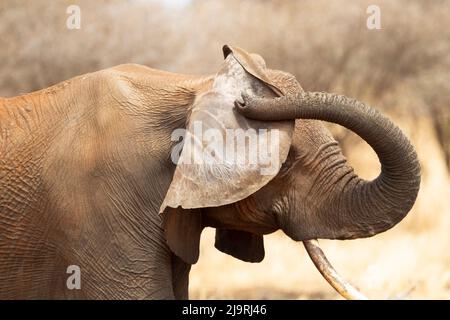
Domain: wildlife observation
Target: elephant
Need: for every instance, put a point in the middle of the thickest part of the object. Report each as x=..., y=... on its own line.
x=94, y=175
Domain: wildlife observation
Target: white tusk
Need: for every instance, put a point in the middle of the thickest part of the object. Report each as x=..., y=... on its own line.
x=329, y=273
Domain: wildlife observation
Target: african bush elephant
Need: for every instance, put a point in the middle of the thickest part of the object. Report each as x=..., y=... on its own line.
x=88, y=177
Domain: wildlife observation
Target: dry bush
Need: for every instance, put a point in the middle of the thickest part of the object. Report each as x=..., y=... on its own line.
x=402, y=69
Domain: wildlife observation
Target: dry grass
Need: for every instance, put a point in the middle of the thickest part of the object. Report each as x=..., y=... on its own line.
x=402, y=69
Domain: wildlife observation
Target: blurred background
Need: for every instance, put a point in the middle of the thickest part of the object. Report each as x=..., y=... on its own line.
x=402, y=69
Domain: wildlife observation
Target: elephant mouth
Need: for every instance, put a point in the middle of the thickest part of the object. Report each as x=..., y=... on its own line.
x=325, y=268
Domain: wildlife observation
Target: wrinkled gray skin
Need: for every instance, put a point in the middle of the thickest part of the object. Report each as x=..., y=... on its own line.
x=338, y=204
x=85, y=165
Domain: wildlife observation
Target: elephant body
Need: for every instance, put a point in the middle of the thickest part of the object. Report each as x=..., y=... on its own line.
x=87, y=177
x=84, y=167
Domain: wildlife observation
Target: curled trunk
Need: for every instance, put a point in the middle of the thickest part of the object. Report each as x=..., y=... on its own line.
x=357, y=208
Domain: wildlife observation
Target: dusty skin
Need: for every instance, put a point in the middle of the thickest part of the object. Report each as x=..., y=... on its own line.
x=86, y=178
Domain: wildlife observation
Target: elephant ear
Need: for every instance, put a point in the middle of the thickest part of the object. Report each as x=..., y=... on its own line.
x=226, y=157
x=242, y=245
x=183, y=229
x=208, y=175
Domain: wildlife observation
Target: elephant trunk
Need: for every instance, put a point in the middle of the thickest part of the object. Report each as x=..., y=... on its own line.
x=356, y=208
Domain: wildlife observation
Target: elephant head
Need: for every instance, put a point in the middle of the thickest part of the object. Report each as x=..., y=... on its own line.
x=312, y=191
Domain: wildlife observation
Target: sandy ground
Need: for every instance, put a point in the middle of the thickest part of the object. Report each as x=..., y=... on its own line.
x=410, y=261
